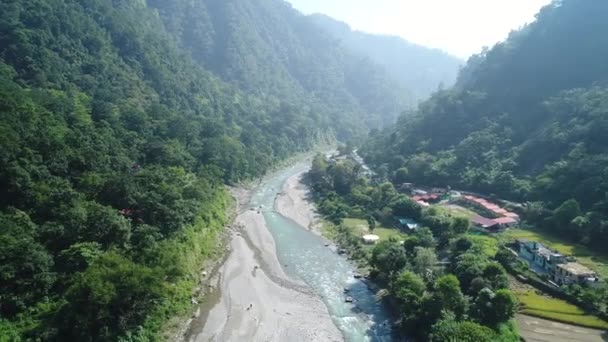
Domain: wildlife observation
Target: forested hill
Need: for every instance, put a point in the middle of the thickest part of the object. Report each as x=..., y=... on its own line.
x=420, y=69
x=527, y=120
x=117, y=137
x=268, y=48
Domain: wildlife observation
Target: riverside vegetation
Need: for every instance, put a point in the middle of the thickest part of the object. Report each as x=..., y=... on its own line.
x=466, y=300
x=121, y=122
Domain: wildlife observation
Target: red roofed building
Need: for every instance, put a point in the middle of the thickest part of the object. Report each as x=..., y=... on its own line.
x=423, y=203
x=500, y=212
x=426, y=198
x=506, y=222
x=512, y=215
x=483, y=222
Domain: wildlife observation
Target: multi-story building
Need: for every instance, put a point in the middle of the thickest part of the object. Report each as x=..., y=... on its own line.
x=557, y=266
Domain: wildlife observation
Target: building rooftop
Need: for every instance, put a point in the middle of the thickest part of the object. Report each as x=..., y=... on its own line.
x=539, y=249
x=483, y=221
x=406, y=221
x=500, y=211
x=577, y=269
x=513, y=215
x=425, y=197
x=547, y=253
x=505, y=220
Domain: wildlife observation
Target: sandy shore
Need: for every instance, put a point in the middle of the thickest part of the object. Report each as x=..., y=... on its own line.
x=258, y=301
x=295, y=203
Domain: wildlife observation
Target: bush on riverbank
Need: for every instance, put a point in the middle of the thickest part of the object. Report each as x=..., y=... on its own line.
x=185, y=254
x=349, y=241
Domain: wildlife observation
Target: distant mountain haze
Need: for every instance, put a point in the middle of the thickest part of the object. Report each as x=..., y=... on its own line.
x=461, y=28
x=420, y=69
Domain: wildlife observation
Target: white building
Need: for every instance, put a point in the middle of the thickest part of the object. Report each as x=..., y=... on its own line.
x=370, y=239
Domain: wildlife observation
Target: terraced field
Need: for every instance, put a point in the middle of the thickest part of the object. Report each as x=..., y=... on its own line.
x=537, y=305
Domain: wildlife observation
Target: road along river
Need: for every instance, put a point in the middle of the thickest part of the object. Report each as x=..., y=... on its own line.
x=281, y=282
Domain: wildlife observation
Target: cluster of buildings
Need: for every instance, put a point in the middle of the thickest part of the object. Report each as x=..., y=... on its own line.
x=494, y=217
x=560, y=269
x=503, y=218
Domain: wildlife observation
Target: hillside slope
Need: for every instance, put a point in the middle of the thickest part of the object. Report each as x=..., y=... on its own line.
x=526, y=121
x=268, y=48
x=419, y=69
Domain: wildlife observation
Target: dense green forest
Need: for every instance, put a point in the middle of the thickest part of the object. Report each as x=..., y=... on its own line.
x=420, y=70
x=268, y=48
x=118, y=132
x=525, y=121
x=464, y=299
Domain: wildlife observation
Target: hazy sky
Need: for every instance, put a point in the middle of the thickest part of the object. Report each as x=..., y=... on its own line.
x=460, y=27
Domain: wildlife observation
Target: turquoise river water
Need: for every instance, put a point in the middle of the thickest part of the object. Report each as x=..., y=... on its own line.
x=304, y=256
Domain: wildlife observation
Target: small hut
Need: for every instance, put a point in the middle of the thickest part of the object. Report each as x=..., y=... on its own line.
x=370, y=239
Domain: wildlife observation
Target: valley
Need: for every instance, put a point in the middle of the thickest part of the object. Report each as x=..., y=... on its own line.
x=467, y=199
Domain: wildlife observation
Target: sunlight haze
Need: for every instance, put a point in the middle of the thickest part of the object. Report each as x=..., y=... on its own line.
x=461, y=28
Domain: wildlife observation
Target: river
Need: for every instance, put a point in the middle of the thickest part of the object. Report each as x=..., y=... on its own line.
x=305, y=257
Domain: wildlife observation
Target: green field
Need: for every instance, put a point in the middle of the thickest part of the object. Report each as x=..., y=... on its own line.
x=360, y=227
x=583, y=255
x=557, y=310
x=488, y=244
x=387, y=233
x=455, y=210
x=357, y=226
